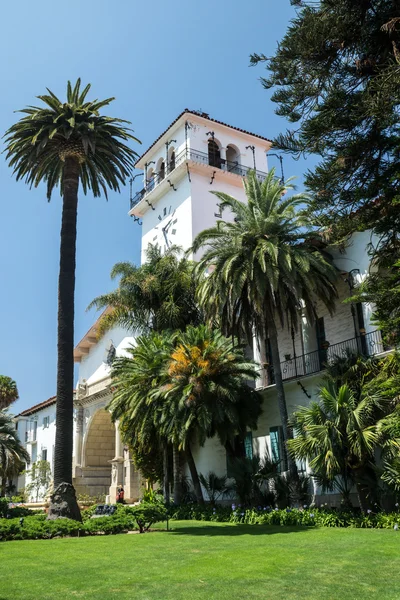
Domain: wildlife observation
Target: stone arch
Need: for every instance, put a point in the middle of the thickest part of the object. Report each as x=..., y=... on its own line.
x=100, y=440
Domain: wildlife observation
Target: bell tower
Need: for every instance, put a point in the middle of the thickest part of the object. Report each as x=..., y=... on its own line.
x=193, y=157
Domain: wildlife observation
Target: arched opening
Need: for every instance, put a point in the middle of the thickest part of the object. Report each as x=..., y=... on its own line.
x=171, y=160
x=150, y=179
x=232, y=159
x=161, y=171
x=214, y=154
x=100, y=441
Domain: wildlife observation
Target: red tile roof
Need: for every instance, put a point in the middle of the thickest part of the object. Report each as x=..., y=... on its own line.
x=204, y=115
x=37, y=407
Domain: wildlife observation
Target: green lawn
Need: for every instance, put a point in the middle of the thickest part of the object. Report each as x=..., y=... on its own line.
x=207, y=561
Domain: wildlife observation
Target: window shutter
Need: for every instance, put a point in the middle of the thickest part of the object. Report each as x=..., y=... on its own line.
x=278, y=448
x=248, y=445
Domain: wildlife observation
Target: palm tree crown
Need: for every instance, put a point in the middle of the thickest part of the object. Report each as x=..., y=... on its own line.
x=38, y=144
x=12, y=452
x=8, y=391
x=157, y=296
x=263, y=270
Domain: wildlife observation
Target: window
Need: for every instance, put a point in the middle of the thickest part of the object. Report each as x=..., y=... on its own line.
x=46, y=422
x=232, y=160
x=214, y=155
x=171, y=163
x=241, y=448
x=278, y=453
x=161, y=172
x=34, y=431
x=44, y=454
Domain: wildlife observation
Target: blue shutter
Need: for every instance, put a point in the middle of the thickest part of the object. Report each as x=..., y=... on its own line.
x=275, y=446
x=248, y=445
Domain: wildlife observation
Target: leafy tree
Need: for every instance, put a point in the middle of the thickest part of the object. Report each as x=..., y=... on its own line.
x=64, y=144
x=206, y=383
x=336, y=75
x=8, y=391
x=137, y=379
x=262, y=269
x=40, y=479
x=338, y=435
x=157, y=296
x=12, y=452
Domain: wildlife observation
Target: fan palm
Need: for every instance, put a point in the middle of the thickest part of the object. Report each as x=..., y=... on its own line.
x=157, y=296
x=338, y=436
x=137, y=379
x=64, y=144
x=207, y=387
x=8, y=391
x=262, y=271
x=12, y=452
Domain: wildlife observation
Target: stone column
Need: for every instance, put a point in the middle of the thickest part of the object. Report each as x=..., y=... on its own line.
x=133, y=480
x=78, y=439
x=117, y=466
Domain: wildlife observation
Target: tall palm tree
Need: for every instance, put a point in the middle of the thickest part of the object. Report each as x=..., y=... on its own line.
x=338, y=435
x=156, y=296
x=207, y=377
x=262, y=271
x=12, y=452
x=137, y=379
x=64, y=144
x=160, y=295
x=8, y=391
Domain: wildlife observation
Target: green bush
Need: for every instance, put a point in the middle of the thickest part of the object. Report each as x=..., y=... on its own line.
x=17, y=511
x=147, y=513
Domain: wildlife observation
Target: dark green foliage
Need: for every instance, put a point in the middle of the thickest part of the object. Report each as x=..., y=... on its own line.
x=39, y=143
x=12, y=452
x=147, y=513
x=336, y=74
x=216, y=487
x=157, y=296
x=17, y=511
x=8, y=391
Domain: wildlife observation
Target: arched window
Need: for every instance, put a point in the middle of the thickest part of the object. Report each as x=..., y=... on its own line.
x=232, y=159
x=171, y=160
x=161, y=171
x=214, y=155
x=150, y=179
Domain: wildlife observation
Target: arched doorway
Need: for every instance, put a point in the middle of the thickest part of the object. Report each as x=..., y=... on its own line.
x=100, y=441
x=214, y=155
x=94, y=478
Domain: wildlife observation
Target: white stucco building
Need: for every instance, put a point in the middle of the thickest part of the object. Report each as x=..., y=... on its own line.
x=194, y=156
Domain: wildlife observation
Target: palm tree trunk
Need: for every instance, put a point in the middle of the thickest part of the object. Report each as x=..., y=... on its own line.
x=63, y=488
x=3, y=486
x=177, y=475
x=166, y=473
x=280, y=392
x=194, y=474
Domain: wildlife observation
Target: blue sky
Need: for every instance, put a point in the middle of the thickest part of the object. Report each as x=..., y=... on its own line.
x=156, y=58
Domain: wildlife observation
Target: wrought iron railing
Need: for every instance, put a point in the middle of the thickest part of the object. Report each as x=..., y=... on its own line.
x=368, y=344
x=198, y=157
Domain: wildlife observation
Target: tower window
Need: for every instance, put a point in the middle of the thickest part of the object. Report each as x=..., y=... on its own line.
x=171, y=162
x=214, y=155
x=161, y=172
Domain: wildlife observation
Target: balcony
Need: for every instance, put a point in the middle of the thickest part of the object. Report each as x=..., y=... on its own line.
x=370, y=344
x=198, y=157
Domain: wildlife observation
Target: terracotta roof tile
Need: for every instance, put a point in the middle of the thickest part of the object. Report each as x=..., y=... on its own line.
x=37, y=407
x=204, y=116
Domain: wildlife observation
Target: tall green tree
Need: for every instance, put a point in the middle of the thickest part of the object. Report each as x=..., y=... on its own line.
x=207, y=380
x=263, y=269
x=336, y=76
x=338, y=435
x=159, y=295
x=8, y=391
x=64, y=144
x=137, y=379
x=12, y=452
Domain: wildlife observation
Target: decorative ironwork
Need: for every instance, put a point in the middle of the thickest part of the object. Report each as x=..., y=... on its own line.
x=369, y=344
x=198, y=157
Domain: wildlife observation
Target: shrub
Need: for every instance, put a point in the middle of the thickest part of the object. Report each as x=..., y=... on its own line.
x=147, y=513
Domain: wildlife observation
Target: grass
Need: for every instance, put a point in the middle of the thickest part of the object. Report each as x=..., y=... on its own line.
x=210, y=561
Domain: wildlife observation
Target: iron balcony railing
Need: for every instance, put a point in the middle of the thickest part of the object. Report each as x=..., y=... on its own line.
x=368, y=344
x=198, y=157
